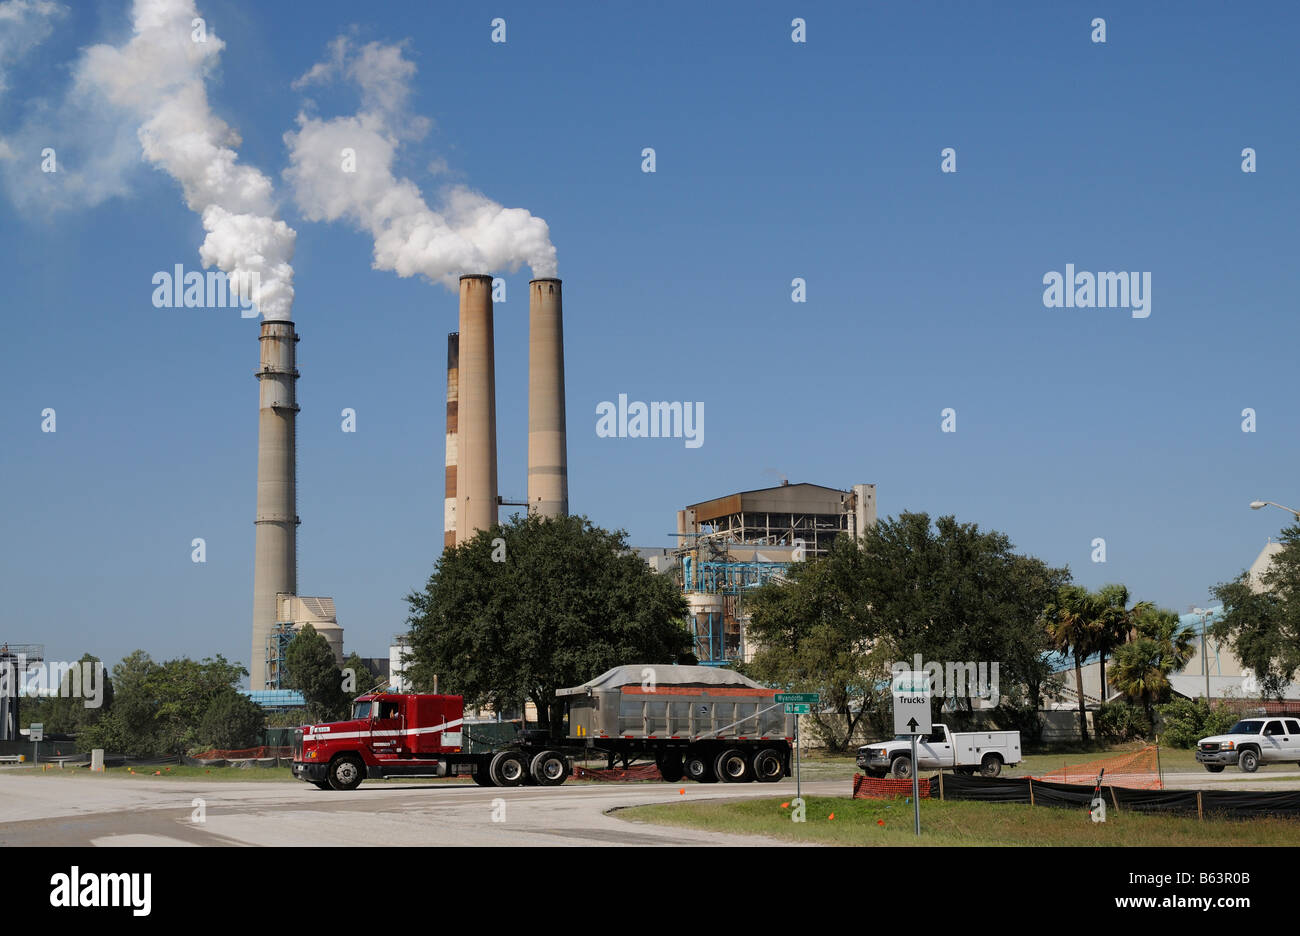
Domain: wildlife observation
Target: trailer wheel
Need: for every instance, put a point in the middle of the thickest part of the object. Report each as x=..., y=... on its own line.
x=549, y=768
x=346, y=772
x=483, y=774
x=902, y=767
x=768, y=766
x=670, y=766
x=732, y=766
x=990, y=766
x=508, y=769
x=699, y=767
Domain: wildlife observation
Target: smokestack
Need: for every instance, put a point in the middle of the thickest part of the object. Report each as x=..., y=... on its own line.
x=476, y=450
x=548, y=463
x=275, y=564
x=453, y=405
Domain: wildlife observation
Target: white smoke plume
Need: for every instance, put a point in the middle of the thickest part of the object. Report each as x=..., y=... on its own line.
x=466, y=232
x=158, y=78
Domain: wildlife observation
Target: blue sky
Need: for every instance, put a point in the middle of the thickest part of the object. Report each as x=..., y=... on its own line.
x=775, y=160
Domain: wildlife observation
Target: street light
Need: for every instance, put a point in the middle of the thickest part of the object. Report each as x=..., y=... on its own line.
x=1205, y=660
x=1255, y=505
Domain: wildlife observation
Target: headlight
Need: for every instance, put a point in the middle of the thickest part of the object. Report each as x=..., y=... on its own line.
x=1230, y=746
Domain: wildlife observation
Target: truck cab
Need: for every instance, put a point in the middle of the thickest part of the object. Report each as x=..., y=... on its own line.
x=388, y=734
x=1251, y=742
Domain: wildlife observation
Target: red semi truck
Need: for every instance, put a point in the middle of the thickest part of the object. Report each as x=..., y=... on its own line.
x=705, y=723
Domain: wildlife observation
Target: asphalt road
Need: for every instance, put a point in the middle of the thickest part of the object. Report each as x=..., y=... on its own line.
x=110, y=811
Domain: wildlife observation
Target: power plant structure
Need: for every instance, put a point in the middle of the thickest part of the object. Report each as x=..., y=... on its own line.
x=275, y=561
x=728, y=546
x=548, y=460
x=471, y=497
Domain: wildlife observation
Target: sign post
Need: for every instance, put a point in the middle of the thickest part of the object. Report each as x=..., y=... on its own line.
x=797, y=704
x=912, y=717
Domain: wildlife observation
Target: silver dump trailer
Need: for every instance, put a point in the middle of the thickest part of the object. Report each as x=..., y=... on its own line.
x=698, y=721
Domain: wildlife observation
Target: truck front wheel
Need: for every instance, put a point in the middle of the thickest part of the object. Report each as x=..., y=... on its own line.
x=1248, y=761
x=1214, y=768
x=346, y=773
x=991, y=765
x=902, y=767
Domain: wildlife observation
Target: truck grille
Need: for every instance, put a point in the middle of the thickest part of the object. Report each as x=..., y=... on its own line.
x=297, y=744
x=1210, y=747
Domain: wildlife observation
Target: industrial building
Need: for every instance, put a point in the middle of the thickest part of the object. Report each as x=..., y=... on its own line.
x=294, y=612
x=730, y=545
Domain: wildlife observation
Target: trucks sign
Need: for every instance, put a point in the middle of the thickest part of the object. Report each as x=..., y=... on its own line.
x=912, y=703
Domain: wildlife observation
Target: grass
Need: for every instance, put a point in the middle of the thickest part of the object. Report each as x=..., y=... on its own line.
x=885, y=822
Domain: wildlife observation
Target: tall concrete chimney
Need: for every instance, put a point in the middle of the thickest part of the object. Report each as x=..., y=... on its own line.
x=548, y=461
x=275, y=563
x=453, y=415
x=476, y=449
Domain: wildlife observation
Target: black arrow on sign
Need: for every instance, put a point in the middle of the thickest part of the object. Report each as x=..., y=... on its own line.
x=911, y=723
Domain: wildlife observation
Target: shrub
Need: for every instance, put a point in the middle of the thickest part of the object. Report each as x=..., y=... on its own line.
x=1186, y=721
x=1122, y=721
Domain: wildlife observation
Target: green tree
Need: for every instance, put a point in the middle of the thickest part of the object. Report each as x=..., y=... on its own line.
x=1071, y=618
x=232, y=721
x=1160, y=647
x=1263, y=625
x=812, y=632
x=947, y=591
x=538, y=604
x=1113, y=625
x=157, y=708
x=952, y=592
x=310, y=668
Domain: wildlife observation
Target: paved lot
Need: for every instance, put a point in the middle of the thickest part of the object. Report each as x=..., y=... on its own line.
x=83, y=810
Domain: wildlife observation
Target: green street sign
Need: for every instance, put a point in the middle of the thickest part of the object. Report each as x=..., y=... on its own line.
x=810, y=697
x=798, y=708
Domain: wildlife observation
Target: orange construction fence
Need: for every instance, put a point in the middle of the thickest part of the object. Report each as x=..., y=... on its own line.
x=1137, y=770
x=887, y=788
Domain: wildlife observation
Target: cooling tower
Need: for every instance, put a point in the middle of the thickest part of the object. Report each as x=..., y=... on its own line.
x=453, y=415
x=548, y=466
x=476, y=448
x=275, y=563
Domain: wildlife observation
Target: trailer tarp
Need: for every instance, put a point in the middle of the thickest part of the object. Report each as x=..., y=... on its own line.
x=661, y=674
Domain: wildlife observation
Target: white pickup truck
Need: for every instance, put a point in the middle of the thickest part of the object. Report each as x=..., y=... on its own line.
x=963, y=751
x=1251, y=742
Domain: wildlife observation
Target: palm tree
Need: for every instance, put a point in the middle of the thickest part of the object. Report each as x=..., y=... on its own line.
x=1143, y=665
x=1113, y=625
x=1072, y=626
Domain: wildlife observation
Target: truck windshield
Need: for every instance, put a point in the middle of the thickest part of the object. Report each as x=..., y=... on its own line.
x=1246, y=727
x=361, y=710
